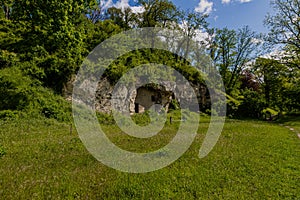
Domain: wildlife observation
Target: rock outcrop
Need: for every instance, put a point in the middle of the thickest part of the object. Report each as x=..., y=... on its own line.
x=136, y=100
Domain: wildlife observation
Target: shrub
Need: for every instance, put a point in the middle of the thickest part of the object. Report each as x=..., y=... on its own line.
x=232, y=106
x=14, y=89
x=8, y=114
x=174, y=105
x=104, y=118
x=252, y=104
x=51, y=105
x=142, y=119
x=19, y=92
x=2, y=151
x=269, y=113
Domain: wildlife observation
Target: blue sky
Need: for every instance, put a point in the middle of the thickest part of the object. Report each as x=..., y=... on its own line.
x=233, y=14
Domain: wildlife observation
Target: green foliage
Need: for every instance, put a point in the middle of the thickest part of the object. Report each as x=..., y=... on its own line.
x=19, y=92
x=104, y=118
x=252, y=105
x=174, y=105
x=2, y=151
x=15, y=93
x=49, y=37
x=124, y=18
x=51, y=105
x=7, y=59
x=9, y=115
x=43, y=43
x=147, y=57
x=231, y=51
x=157, y=13
x=269, y=111
x=232, y=106
x=279, y=84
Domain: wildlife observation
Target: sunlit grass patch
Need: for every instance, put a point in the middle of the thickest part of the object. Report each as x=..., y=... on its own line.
x=251, y=160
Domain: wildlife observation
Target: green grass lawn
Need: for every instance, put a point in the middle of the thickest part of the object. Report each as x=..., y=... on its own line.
x=292, y=121
x=41, y=159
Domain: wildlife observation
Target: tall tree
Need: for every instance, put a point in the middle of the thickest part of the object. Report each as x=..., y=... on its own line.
x=232, y=51
x=124, y=18
x=284, y=28
x=285, y=23
x=225, y=42
x=157, y=13
x=51, y=38
x=192, y=24
x=245, y=51
x=280, y=84
x=6, y=6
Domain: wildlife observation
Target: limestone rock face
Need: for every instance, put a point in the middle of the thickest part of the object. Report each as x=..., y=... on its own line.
x=136, y=100
x=103, y=96
x=132, y=100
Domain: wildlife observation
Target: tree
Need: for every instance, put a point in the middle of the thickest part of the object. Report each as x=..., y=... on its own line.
x=6, y=6
x=223, y=50
x=124, y=18
x=280, y=84
x=249, y=81
x=245, y=51
x=284, y=28
x=98, y=32
x=95, y=11
x=285, y=24
x=157, y=13
x=232, y=51
x=191, y=25
x=49, y=37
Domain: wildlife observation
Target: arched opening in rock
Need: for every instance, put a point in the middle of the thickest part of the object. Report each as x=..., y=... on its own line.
x=152, y=96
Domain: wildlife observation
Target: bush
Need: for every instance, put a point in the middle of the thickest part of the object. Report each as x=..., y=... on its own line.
x=269, y=113
x=19, y=92
x=104, y=118
x=14, y=89
x=232, y=106
x=174, y=105
x=8, y=114
x=252, y=104
x=142, y=119
x=2, y=151
x=51, y=105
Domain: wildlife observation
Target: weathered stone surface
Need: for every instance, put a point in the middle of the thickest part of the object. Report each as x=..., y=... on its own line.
x=103, y=96
x=126, y=98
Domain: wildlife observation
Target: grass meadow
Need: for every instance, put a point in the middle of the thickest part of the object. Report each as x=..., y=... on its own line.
x=42, y=159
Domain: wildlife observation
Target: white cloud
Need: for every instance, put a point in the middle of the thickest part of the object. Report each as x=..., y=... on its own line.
x=216, y=18
x=226, y=1
x=106, y=4
x=137, y=9
x=204, y=6
x=257, y=41
x=122, y=4
x=276, y=54
x=230, y=1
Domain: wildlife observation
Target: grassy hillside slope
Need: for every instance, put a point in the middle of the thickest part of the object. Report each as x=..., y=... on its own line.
x=42, y=159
